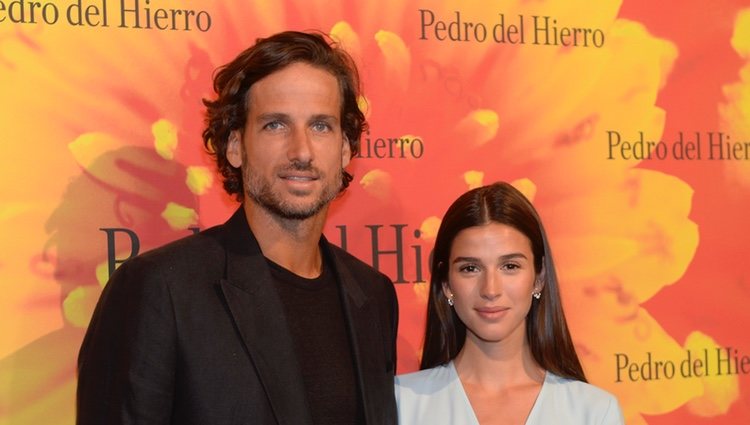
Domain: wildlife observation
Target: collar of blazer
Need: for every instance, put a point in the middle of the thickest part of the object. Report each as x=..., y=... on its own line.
x=244, y=254
x=259, y=316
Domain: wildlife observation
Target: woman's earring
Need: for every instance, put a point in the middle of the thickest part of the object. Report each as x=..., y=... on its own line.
x=450, y=300
x=537, y=295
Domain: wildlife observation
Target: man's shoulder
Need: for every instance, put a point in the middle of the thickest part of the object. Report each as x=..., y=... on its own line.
x=206, y=242
x=186, y=255
x=356, y=266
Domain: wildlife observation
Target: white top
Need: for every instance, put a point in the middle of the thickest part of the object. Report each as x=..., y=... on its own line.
x=435, y=396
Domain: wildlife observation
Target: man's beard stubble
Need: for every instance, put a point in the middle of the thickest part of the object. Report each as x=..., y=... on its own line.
x=260, y=190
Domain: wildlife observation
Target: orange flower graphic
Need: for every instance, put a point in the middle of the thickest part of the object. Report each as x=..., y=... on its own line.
x=117, y=123
x=735, y=112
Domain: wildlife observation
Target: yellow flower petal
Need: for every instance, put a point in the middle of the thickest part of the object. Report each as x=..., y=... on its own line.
x=634, y=236
x=429, y=228
x=79, y=305
x=478, y=127
x=741, y=35
x=629, y=368
x=735, y=112
x=474, y=179
x=9, y=210
x=422, y=291
x=397, y=57
x=102, y=273
x=88, y=147
x=199, y=179
x=344, y=34
x=364, y=106
x=719, y=391
x=178, y=216
x=165, y=138
x=527, y=187
x=377, y=183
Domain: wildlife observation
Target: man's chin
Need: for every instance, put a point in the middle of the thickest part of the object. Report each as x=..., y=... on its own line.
x=293, y=211
x=292, y=204
x=301, y=193
x=298, y=214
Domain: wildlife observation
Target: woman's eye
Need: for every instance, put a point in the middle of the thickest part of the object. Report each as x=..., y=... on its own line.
x=469, y=268
x=511, y=266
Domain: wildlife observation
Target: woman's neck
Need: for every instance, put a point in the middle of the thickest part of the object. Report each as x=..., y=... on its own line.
x=497, y=365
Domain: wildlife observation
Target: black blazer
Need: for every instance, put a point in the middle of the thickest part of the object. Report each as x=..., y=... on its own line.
x=194, y=333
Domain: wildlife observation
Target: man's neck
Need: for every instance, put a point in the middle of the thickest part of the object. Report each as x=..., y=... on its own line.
x=292, y=244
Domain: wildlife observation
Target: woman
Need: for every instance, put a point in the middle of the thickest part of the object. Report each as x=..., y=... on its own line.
x=497, y=348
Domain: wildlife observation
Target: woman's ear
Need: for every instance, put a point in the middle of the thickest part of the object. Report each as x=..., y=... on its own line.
x=541, y=279
x=448, y=294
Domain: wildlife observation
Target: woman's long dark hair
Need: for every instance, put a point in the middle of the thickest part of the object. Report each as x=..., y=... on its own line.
x=546, y=330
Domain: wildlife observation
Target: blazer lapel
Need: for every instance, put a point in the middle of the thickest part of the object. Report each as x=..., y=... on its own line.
x=366, y=337
x=260, y=320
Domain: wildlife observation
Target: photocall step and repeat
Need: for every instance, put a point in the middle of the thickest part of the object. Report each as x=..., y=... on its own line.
x=626, y=122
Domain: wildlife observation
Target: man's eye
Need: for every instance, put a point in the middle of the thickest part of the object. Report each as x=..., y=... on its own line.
x=321, y=126
x=273, y=125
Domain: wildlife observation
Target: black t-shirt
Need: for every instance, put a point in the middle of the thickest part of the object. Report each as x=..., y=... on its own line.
x=319, y=331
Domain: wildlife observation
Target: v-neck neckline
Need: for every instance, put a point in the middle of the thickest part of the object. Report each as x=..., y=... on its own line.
x=462, y=390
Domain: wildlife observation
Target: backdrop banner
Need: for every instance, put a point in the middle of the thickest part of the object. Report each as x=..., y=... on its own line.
x=627, y=123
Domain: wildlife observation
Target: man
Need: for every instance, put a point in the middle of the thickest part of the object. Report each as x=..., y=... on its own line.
x=259, y=320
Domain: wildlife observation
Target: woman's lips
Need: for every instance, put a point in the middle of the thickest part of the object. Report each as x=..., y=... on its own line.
x=492, y=312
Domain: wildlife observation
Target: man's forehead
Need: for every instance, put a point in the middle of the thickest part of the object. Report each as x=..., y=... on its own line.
x=296, y=84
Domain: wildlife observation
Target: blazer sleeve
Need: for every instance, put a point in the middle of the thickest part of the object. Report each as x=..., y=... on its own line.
x=126, y=365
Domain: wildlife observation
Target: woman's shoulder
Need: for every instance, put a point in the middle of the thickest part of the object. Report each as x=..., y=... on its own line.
x=433, y=396
x=578, y=389
x=578, y=401
x=432, y=378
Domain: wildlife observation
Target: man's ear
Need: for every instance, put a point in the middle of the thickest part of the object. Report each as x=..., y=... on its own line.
x=346, y=152
x=234, y=149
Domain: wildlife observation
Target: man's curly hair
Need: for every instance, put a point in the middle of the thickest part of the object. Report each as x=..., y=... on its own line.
x=228, y=112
